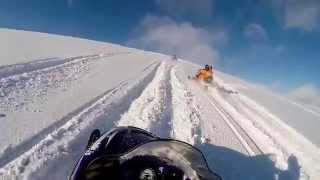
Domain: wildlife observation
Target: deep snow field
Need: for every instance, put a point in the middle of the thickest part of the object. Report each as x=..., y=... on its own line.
x=55, y=90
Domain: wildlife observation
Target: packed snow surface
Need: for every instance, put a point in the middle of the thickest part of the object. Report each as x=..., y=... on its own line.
x=55, y=90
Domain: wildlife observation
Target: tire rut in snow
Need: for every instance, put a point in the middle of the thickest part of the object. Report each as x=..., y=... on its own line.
x=67, y=143
x=152, y=110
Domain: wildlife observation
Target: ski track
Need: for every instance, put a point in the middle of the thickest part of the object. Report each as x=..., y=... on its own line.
x=66, y=143
x=34, y=80
x=152, y=110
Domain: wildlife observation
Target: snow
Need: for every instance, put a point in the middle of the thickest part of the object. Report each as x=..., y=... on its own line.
x=22, y=46
x=55, y=90
x=299, y=117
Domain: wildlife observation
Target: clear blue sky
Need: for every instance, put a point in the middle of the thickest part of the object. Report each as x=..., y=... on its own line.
x=274, y=42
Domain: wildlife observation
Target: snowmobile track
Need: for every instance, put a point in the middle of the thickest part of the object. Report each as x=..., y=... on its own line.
x=248, y=143
x=36, y=65
x=152, y=110
x=255, y=150
x=27, y=144
x=251, y=147
x=185, y=112
x=37, y=79
x=64, y=142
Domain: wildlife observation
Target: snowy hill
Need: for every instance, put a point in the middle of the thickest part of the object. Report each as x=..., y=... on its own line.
x=55, y=90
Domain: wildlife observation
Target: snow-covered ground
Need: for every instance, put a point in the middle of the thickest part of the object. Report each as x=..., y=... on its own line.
x=55, y=90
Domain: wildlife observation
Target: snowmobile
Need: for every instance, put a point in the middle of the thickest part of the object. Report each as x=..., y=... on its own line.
x=204, y=75
x=132, y=153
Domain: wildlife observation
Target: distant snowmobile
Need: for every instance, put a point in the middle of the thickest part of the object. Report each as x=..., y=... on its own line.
x=135, y=154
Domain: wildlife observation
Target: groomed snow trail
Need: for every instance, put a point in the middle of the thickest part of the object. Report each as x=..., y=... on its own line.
x=55, y=155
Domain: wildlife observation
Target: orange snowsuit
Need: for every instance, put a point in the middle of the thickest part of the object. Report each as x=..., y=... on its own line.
x=204, y=75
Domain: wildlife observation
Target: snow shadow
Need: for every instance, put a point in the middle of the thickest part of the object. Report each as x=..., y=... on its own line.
x=232, y=165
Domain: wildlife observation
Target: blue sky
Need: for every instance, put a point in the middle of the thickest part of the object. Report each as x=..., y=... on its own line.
x=273, y=42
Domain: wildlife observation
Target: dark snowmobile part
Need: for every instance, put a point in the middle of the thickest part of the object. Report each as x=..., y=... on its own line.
x=93, y=137
x=133, y=153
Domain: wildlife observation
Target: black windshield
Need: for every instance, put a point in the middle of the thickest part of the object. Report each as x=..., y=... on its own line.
x=179, y=154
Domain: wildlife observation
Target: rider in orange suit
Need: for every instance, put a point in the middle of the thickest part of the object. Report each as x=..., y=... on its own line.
x=205, y=74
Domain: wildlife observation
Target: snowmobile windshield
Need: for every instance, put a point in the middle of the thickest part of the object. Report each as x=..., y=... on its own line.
x=176, y=154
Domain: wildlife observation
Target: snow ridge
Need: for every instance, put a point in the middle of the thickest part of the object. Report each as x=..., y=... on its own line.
x=186, y=115
x=151, y=111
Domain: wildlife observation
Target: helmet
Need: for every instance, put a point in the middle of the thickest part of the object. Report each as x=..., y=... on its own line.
x=207, y=67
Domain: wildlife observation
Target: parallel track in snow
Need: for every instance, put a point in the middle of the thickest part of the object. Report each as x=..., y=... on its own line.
x=15, y=70
x=152, y=109
x=186, y=122
x=246, y=139
x=65, y=142
x=157, y=101
x=7, y=71
x=21, y=84
x=248, y=143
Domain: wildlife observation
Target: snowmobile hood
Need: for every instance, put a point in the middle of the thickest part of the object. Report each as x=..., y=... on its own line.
x=133, y=153
x=175, y=153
